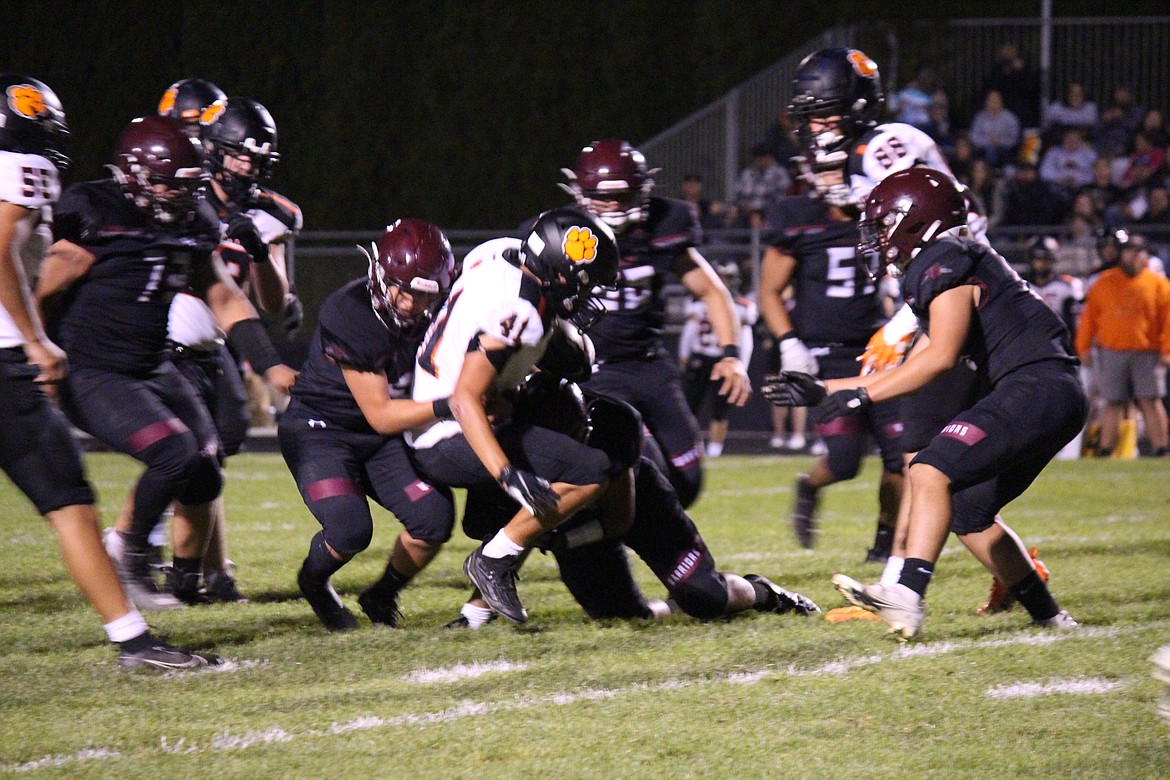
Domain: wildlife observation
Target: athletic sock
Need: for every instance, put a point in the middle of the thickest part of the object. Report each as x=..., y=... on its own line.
x=319, y=563
x=500, y=546
x=476, y=616
x=883, y=540
x=764, y=595
x=127, y=627
x=187, y=565
x=1033, y=595
x=916, y=574
x=392, y=581
x=892, y=571
x=137, y=643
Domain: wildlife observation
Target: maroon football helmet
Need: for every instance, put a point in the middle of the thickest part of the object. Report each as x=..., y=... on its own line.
x=159, y=167
x=413, y=256
x=611, y=171
x=905, y=211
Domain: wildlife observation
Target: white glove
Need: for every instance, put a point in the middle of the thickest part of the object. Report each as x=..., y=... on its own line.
x=794, y=356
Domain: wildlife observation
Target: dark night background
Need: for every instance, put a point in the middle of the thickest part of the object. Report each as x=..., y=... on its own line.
x=457, y=112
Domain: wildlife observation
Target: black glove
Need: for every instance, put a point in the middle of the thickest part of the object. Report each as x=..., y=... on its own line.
x=292, y=315
x=843, y=403
x=533, y=493
x=793, y=388
x=242, y=230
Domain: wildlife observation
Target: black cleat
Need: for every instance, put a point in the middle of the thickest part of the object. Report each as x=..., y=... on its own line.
x=326, y=603
x=221, y=586
x=164, y=657
x=381, y=611
x=873, y=555
x=187, y=588
x=804, y=513
x=496, y=580
x=781, y=601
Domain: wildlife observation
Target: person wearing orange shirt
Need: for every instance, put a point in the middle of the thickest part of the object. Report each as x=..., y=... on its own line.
x=1127, y=318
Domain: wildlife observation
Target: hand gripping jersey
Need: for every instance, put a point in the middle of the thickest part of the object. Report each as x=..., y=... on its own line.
x=636, y=310
x=29, y=181
x=1012, y=326
x=115, y=317
x=836, y=302
x=350, y=335
x=491, y=298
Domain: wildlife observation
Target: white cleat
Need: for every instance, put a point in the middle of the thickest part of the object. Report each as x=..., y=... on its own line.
x=902, y=609
x=1061, y=621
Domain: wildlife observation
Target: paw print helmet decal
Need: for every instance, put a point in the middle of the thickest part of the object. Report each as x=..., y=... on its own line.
x=571, y=252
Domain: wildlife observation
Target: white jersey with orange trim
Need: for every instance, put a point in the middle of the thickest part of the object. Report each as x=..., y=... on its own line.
x=31, y=182
x=491, y=298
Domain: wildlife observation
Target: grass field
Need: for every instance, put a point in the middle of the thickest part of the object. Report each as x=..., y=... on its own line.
x=758, y=696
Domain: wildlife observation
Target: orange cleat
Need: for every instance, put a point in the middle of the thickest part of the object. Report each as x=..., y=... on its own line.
x=998, y=599
x=843, y=614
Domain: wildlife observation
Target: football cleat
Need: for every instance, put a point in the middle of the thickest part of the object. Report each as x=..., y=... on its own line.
x=496, y=580
x=998, y=598
x=1061, y=621
x=187, y=588
x=844, y=614
x=326, y=603
x=463, y=622
x=381, y=611
x=902, y=609
x=804, y=512
x=781, y=601
x=163, y=657
x=138, y=580
x=221, y=586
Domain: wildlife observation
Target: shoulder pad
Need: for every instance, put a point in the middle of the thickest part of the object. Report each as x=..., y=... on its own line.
x=28, y=180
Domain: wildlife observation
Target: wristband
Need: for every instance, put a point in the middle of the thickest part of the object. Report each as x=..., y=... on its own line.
x=249, y=339
x=730, y=351
x=789, y=335
x=441, y=408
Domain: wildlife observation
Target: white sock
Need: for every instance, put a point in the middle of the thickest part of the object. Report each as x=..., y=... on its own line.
x=714, y=449
x=659, y=608
x=159, y=536
x=476, y=616
x=500, y=546
x=892, y=571
x=126, y=627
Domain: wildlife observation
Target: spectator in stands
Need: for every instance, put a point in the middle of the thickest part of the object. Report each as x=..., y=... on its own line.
x=708, y=214
x=1069, y=165
x=1029, y=200
x=911, y=104
x=987, y=190
x=1153, y=124
x=1126, y=319
x=995, y=131
x=1017, y=83
x=1102, y=189
x=1074, y=112
x=780, y=139
x=960, y=157
x=1118, y=123
x=759, y=184
x=940, y=127
x=1143, y=161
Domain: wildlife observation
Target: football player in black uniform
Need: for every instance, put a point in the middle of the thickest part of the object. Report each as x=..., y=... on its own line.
x=969, y=300
x=341, y=435
x=812, y=249
x=595, y=568
x=123, y=247
x=240, y=143
x=186, y=100
x=656, y=236
x=37, y=450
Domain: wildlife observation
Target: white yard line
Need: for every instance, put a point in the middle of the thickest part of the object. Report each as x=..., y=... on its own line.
x=1078, y=686
x=462, y=672
x=469, y=709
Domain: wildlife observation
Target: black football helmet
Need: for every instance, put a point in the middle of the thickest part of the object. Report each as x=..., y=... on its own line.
x=153, y=151
x=571, y=251
x=611, y=171
x=415, y=256
x=841, y=87
x=906, y=210
x=186, y=100
x=32, y=120
x=239, y=127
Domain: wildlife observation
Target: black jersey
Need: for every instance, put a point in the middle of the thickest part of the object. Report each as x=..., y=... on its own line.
x=349, y=334
x=115, y=316
x=1012, y=326
x=636, y=310
x=836, y=302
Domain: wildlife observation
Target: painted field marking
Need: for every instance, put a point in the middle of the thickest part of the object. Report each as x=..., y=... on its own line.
x=1080, y=685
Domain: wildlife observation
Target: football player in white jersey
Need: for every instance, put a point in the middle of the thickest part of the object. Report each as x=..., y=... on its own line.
x=512, y=297
x=837, y=99
x=37, y=449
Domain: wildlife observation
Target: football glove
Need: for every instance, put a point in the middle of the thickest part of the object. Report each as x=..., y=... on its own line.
x=887, y=348
x=292, y=316
x=793, y=388
x=794, y=355
x=242, y=230
x=843, y=403
x=532, y=492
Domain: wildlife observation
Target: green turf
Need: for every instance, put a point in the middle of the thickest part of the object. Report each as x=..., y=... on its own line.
x=758, y=696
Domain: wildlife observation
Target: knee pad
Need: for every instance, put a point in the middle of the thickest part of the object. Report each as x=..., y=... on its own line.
x=205, y=482
x=615, y=428
x=703, y=594
x=351, y=537
x=687, y=484
x=844, y=456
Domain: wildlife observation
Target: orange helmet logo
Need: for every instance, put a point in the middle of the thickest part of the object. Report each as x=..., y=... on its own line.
x=167, y=104
x=862, y=64
x=211, y=113
x=27, y=101
x=580, y=245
